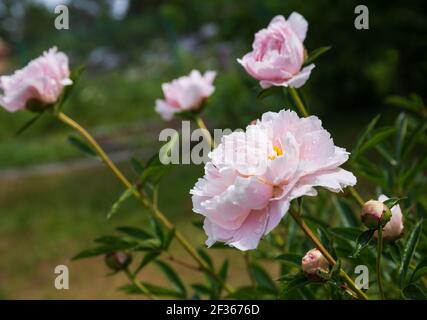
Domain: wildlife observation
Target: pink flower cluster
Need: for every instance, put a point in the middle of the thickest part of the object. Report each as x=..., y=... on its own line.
x=252, y=176
x=43, y=80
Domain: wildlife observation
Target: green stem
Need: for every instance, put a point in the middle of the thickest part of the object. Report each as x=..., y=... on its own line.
x=297, y=99
x=356, y=196
x=201, y=124
x=139, y=285
x=379, y=254
x=298, y=219
x=307, y=230
x=153, y=208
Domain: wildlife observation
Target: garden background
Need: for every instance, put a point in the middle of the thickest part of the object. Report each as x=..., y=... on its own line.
x=54, y=200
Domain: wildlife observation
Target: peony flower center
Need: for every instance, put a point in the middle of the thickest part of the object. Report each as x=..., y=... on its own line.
x=278, y=151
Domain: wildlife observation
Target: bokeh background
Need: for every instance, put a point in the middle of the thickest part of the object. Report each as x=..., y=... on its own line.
x=54, y=200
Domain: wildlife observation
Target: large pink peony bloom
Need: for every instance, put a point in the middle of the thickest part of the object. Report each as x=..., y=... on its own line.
x=252, y=176
x=394, y=228
x=278, y=53
x=185, y=93
x=42, y=80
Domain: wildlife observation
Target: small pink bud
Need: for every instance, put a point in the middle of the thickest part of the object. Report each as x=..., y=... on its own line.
x=394, y=228
x=118, y=260
x=313, y=262
x=374, y=214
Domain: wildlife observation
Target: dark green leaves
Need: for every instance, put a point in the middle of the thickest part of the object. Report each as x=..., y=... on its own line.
x=29, y=123
x=268, y=92
x=362, y=241
x=173, y=278
x=315, y=54
x=391, y=202
x=262, y=278
x=409, y=252
x=124, y=196
x=81, y=145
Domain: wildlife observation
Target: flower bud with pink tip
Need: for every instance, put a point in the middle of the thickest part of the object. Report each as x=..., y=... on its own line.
x=314, y=262
x=394, y=228
x=375, y=214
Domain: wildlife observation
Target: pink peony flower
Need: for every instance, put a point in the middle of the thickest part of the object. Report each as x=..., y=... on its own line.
x=185, y=93
x=252, y=176
x=394, y=228
x=42, y=80
x=314, y=261
x=278, y=53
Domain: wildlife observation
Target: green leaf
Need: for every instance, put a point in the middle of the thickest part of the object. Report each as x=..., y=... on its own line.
x=74, y=76
x=89, y=253
x=223, y=271
x=413, y=103
x=391, y=202
x=413, y=139
x=346, y=233
x=347, y=214
x=262, y=278
x=249, y=293
x=205, y=257
x=420, y=271
x=292, y=283
x=268, y=92
x=377, y=137
x=81, y=145
x=402, y=128
x=326, y=241
x=414, y=292
x=123, y=197
x=135, y=232
x=409, y=177
x=365, y=133
x=137, y=166
x=291, y=258
x=149, y=257
x=362, y=241
x=154, y=289
x=315, y=54
x=158, y=231
x=201, y=289
x=173, y=277
x=395, y=252
x=154, y=171
x=29, y=123
x=408, y=252
x=168, y=239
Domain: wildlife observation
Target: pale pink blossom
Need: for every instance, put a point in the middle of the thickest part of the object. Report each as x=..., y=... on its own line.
x=42, y=80
x=252, y=176
x=314, y=262
x=185, y=93
x=278, y=54
x=394, y=228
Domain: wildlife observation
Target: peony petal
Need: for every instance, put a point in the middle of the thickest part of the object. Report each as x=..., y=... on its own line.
x=298, y=24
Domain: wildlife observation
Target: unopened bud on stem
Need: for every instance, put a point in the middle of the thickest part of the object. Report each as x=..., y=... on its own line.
x=314, y=262
x=375, y=214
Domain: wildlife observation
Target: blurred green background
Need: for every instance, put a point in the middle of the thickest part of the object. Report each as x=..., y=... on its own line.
x=53, y=200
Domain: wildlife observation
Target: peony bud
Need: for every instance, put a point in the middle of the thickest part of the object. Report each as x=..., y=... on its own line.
x=118, y=260
x=374, y=214
x=394, y=228
x=314, y=262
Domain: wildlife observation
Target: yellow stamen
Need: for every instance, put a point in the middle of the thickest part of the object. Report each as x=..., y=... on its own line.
x=278, y=151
